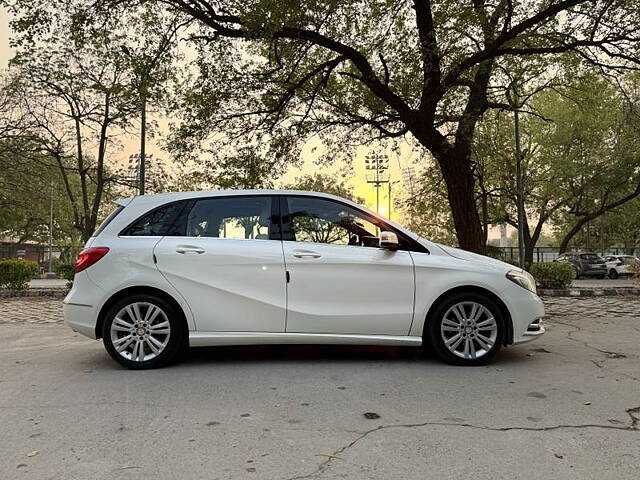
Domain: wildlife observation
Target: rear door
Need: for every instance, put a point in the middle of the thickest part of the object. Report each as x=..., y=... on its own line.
x=227, y=263
x=340, y=280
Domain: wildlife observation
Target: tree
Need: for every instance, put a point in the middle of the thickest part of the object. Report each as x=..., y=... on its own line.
x=321, y=182
x=578, y=151
x=390, y=68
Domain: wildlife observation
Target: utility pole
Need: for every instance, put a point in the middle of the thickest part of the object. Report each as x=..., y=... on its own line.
x=143, y=130
x=379, y=163
x=515, y=104
x=50, y=272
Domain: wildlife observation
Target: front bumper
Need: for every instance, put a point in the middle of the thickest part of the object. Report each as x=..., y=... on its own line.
x=526, y=310
x=534, y=330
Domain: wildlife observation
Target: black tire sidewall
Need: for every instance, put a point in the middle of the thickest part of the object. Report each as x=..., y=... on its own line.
x=434, y=337
x=177, y=339
x=613, y=274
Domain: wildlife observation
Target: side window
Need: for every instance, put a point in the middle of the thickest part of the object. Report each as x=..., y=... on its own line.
x=157, y=222
x=323, y=221
x=231, y=217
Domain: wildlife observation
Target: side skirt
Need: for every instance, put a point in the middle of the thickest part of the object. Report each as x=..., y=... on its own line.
x=207, y=339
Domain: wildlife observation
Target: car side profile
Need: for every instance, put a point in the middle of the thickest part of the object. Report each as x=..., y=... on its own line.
x=171, y=271
x=618, y=265
x=584, y=264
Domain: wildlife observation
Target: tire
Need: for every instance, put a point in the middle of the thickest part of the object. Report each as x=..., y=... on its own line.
x=444, y=325
x=159, y=329
x=613, y=274
x=575, y=275
x=600, y=277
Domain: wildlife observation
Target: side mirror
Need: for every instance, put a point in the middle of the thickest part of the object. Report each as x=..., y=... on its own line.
x=389, y=240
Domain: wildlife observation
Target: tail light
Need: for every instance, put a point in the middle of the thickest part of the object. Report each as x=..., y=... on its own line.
x=89, y=256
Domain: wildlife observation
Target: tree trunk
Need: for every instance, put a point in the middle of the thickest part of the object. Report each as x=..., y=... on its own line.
x=572, y=233
x=458, y=176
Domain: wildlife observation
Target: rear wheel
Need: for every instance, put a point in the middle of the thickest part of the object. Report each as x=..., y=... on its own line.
x=143, y=331
x=467, y=329
x=599, y=277
x=613, y=274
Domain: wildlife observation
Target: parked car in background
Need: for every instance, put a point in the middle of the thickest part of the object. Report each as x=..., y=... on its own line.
x=165, y=272
x=618, y=265
x=584, y=264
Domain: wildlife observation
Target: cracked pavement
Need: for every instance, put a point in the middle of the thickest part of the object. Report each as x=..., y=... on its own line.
x=566, y=406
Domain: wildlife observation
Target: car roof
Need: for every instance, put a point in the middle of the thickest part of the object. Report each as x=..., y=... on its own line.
x=172, y=196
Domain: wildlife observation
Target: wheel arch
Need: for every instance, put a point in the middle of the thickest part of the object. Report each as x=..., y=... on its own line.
x=137, y=290
x=508, y=338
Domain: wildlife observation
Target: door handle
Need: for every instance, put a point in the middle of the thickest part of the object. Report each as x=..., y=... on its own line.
x=189, y=249
x=306, y=254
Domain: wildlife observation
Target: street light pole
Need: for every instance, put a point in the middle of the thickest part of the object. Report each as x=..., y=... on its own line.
x=51, y=231
x=143, y=132
x=379, y=163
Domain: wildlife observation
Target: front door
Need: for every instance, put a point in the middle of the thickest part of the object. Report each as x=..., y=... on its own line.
x=227, y=266
x=340, y=281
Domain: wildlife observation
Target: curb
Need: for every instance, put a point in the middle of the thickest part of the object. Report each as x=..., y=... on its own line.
x=591, y=292
x=34, y=293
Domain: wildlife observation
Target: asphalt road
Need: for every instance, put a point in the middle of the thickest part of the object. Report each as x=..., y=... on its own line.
x=566, y=406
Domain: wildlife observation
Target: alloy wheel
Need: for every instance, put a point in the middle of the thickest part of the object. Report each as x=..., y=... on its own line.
x=469, y=330
x=140, y=331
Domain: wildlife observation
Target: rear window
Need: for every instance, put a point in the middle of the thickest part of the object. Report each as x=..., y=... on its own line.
x=108, y=220
x=590, y=257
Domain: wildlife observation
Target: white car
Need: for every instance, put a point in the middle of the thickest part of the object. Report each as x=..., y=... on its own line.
x=618, y=265
x=164, y=272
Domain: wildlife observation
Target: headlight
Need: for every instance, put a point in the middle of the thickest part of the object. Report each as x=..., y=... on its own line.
x=522, y=278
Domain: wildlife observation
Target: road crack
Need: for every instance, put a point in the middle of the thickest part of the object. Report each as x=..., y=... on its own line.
x=634, y=416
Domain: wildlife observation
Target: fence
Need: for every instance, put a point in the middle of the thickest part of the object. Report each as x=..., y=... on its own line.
x=549, y=254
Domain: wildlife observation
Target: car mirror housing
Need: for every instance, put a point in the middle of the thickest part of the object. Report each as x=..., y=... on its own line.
x=389, y=240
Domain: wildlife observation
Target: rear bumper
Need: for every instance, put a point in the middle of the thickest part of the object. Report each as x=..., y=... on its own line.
x=81, y=318
x=80, y=306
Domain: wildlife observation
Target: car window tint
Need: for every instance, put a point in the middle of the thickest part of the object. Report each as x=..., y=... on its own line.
x=230, y=217
x=324, y=221
x=591, y=257
x=155, y=223
x=108, y=220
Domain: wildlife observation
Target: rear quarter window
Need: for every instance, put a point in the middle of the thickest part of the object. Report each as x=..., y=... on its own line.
x=156, y=223
x=108, y=220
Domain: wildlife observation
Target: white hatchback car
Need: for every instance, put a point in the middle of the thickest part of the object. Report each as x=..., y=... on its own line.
x=164, y=272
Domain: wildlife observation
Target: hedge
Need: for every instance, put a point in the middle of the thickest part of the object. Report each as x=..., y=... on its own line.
x=635, y=271
x=66, y=270
x=552, y=274
x=16, y=273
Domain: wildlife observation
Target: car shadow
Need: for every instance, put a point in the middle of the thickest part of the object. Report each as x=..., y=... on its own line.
x=299, y=353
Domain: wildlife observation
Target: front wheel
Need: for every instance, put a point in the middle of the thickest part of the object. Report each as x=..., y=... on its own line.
x=143, y=331
x=467, y=329
x=613, y=274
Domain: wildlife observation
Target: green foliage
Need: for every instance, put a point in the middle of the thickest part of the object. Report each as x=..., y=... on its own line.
x=66, y=271
x=16, y=273
x=634, y=268
x=320, y=182
x=552, y=274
